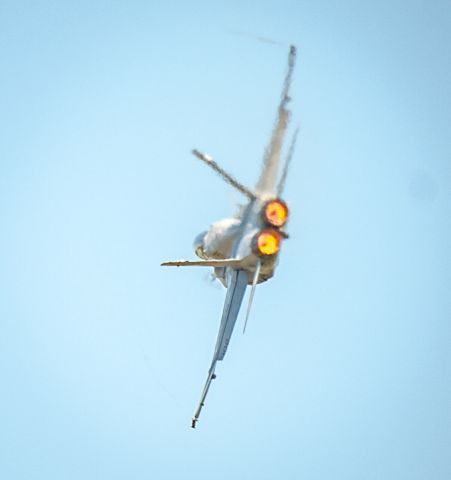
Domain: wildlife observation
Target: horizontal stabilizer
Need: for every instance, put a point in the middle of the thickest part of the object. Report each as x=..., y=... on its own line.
x=229, y=262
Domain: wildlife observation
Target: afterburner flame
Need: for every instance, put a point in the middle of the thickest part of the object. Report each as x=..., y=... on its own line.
x=268, y=242
x=276, y=213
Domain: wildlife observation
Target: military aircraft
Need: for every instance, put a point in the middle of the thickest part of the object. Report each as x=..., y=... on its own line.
x=243, y=250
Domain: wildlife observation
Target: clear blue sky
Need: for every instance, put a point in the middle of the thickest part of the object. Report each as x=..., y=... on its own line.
x=345, y=369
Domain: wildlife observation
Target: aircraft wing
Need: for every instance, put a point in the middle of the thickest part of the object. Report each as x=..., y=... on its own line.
x=236, y=287
x=267, y=183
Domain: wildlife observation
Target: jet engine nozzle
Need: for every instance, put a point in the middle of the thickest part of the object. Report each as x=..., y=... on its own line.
x=275, y=213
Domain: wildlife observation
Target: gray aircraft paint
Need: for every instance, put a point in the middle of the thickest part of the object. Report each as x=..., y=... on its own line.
x=228, y=245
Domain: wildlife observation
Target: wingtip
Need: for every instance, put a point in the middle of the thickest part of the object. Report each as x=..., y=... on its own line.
x=193, y=422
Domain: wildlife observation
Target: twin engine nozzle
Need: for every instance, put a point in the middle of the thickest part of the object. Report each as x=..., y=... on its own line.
x=275, y=215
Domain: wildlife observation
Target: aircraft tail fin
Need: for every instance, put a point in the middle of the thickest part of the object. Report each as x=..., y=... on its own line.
x=228, y=262
x=226, y=176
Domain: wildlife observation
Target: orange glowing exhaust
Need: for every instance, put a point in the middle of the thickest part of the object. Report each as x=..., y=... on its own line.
x=267, y=242
x=275, y=213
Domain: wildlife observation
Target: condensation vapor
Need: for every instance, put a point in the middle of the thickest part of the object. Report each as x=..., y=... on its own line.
x=254, y=36
x=268, y=177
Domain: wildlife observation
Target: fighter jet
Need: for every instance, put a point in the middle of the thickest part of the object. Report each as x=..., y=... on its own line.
x=243, y=250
